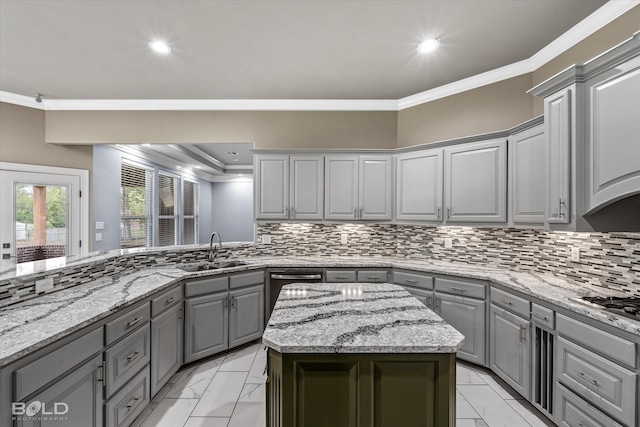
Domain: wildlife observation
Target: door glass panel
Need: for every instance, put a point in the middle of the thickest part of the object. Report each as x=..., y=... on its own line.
x=41, y=213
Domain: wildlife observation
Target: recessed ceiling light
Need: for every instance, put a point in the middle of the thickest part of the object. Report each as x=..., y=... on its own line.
x=160, y=47
x=231, y=153
x=146, y=145
x=198, y=167
x=429, y=45
x=240, y=174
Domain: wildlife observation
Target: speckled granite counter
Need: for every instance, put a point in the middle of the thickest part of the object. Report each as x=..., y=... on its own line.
x=356, y=318
x=30, y=325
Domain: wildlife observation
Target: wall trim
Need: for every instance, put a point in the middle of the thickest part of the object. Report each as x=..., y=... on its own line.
x=592, y=23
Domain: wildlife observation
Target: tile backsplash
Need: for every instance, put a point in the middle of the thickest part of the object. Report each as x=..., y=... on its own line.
x=611, y=260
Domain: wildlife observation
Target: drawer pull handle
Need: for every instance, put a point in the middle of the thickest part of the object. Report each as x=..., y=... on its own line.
x=373, y=278
x=169, y=300
x=455, y=288
x=133, y=356
x=341, y=278
x=134, y=321
x=411, y=281
x=586, y=378
x=539, y=316
x=505, y=301
x=132, y=403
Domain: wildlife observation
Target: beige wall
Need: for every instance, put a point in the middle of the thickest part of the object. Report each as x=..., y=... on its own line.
x=265, y=129
x=22, y=140
x=602, y=40
x=490, y=108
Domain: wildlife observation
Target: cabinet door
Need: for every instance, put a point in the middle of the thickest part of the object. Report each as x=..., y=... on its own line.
x=166, y=346
x=375, y=187
x=614, y=126
x=206, y=326
x=341, y=187
x=557, y=122
x=419, y=186
x=425, y=297
x=246, y=318
x=510, y=349
x=272, y=187
x=81, y=392
x=467, y=315
x=476, y=182
x=528, y=176
x=307, y=187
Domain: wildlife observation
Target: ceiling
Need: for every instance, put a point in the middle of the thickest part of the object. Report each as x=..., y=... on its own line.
x=69, y=49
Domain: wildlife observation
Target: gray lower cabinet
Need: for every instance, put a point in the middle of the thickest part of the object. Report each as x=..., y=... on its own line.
x=166, y=346
x=246, y=317
x=205, y=326
x=467, y=315
x=510, y=349
x=77, y=397
x=424, y=296
x=123, y=408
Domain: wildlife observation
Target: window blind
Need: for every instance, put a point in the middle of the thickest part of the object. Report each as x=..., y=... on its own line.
x=190, y=212
x=167, y=210
x=136, y=195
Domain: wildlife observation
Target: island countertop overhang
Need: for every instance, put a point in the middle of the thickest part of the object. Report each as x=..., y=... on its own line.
x=356, y=318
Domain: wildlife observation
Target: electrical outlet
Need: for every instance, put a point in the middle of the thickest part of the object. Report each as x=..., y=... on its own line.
x=448, y=243
x=266, y=239
x=44, y=285
x=575, y=254
x=344, y=239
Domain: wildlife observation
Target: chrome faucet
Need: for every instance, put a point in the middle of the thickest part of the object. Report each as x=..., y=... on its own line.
x=213, y=252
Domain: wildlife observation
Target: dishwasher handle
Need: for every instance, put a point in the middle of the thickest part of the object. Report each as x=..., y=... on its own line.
x=296, y=276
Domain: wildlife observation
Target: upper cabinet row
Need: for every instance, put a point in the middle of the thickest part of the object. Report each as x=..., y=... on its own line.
x=471, y=177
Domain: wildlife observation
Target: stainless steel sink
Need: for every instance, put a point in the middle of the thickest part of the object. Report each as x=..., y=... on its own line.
x=190, y=268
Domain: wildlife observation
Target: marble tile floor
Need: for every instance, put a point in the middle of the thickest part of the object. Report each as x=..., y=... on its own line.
x=229, y=391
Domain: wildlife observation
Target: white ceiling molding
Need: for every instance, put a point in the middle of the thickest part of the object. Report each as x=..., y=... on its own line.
x=25, y=101
x=592, y=23
x=607, y=13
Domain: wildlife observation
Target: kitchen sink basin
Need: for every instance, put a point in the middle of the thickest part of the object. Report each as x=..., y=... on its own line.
x=210, y=266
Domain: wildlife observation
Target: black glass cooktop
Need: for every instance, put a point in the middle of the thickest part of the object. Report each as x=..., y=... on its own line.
x=626, y=306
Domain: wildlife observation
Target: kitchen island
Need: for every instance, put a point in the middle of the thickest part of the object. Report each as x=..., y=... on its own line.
x=358, y=354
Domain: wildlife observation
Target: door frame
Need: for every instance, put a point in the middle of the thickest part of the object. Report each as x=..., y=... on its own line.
x=83, y=176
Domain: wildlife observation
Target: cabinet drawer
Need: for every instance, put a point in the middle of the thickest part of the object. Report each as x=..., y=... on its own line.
x=207, y=285
x=129, y=402
x=461, y=287
x=573, y=411
x=517, y=305
x=412, y=279
x=40, y=372
x=543, y=316
x=613, y=347
x=372, y=276
x=246, y=279
x=126, y=323
x=166, y=300
x=340, y=276
x=598, y=380
x=126, y=358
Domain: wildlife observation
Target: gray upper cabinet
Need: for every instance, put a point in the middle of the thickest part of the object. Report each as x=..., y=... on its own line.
x=306, y=187
x=272, y=187
x=558, y=117
x=475, y=184
x=341, y=187
x=358, y=187
x=613, y=129
x=375, y=187
x=528, y=176
x=419, y=186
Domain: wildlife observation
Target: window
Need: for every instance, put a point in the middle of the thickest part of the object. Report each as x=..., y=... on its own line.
x=167, y=209
x=190, y=212
x=136, y=195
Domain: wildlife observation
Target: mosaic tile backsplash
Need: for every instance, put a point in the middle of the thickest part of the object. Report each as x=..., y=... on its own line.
x=610, y=260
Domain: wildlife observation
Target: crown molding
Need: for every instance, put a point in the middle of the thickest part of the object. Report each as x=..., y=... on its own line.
x=592, y=23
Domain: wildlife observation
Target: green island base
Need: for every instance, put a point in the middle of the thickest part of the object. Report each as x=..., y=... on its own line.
x=361, y=390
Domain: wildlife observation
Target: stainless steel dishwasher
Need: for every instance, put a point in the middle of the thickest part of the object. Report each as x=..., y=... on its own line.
x=279, y=278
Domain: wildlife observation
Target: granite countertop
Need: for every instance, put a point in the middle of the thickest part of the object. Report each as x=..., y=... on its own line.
x=356, y=318
x=30, y=325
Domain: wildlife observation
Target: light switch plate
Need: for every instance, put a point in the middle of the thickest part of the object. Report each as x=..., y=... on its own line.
x=44, y=285
x=266, y=239
x=100, y=225
x=98, y=237
x=344, y=239
x=448, y=243
x=575, y=254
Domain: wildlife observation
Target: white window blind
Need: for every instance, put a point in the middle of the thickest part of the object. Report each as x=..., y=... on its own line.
x=167, y=210
x=190, y=212
x=136, y=195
